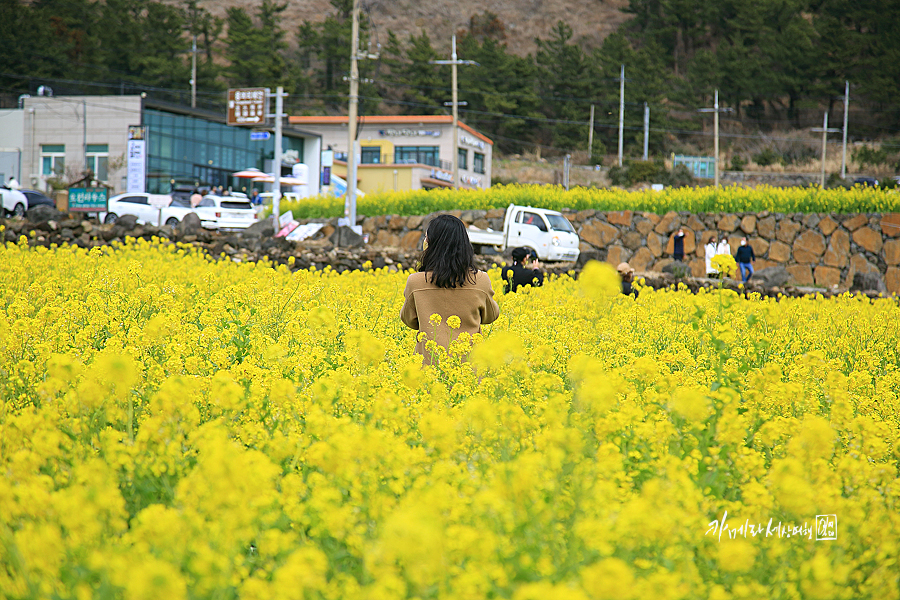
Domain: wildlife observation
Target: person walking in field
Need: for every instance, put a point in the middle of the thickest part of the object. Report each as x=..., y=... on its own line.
x=745, y=258
x=448, y=295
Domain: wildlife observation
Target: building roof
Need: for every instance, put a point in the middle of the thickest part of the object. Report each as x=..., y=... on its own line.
x=385, y=120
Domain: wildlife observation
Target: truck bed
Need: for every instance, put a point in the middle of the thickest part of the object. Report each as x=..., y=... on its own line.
x=485, y=237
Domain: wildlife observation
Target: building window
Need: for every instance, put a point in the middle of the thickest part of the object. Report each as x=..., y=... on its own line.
x=98, y=160
x=370, y=155
x=53, y=159
x=426, y=155
x=462, y=158
x=478, y=162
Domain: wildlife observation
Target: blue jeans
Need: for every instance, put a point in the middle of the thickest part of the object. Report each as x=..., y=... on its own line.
x=746, y=271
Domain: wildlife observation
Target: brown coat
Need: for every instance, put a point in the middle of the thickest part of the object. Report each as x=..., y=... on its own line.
x=474, y=304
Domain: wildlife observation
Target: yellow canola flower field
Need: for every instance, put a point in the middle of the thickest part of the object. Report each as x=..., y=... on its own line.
x=177, y=427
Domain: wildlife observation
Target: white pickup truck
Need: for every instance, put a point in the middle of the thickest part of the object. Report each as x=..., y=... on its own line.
x=547, y=232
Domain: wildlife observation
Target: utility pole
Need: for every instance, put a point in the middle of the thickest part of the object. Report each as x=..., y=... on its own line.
x=646, y=130
x=591, y=135
x=716, y=110
x=825, y=131
x=566, y=164
x=276, y=158
x=453, y=62
x=194, y=72
x=352, y=115
x=621, y=112
x=844, y=146
x=350, y=202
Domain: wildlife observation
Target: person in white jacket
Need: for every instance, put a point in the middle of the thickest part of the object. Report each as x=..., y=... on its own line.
x=723, y=247
x=709, y=250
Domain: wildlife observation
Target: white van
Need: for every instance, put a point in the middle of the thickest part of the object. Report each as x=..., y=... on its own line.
x=547, y=232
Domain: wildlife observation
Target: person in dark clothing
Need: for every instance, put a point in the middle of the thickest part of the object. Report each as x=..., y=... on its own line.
x=525, y=270
x=626, y=272
x=745, y=258
x=678, y=245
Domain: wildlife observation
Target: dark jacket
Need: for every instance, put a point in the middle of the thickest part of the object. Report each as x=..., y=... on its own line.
x=744, y=254
x=518, y=275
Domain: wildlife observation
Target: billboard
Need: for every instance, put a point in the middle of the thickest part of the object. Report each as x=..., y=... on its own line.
x=137, y=159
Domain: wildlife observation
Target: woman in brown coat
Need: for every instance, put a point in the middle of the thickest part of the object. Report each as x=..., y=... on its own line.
x=447, y=284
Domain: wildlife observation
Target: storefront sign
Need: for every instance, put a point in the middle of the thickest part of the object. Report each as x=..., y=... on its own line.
x=410, y=132
x=469, y=141
x=469, y=180
x=137, y=159
x=246, y=106
x=88, y=199
x=442, y=175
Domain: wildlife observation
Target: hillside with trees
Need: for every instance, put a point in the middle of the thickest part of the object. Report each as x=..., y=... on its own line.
x=777, y=64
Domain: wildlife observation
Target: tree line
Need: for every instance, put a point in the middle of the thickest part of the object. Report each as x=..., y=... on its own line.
x=777, y=64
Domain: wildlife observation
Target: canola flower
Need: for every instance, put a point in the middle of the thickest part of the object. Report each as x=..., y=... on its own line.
x=173, y=426
x=733, y=198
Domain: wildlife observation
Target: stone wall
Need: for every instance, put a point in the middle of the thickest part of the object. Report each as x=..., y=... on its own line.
x=822, y=250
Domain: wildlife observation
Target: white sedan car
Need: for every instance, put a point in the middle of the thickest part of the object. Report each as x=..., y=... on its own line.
x=226, y=212
x=14, y=202
x=138, y=204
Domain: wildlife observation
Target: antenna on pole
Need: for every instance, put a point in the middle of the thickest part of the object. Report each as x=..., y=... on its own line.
x=453, y=62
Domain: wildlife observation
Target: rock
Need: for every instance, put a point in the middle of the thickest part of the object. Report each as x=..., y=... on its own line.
x=632, y=240
x=586, y=256
x=260, y=229
x=855, y=222
x=499, y=213
x=695, y=223
x=868, y=238
x=126, y=222
x=644, y=227
x=415, y=222
x=890, y=224
x=619, y=217
x=766, y=227
x=190, y=224
x=748, y=224
x=641, y=260
x=772, y=277
x=787, y=231
x=808, y=247
x=43, y=213
x=892, y=280
x=868, y=282
x=759, y=245
x=398, y=223
x=368, y=225
x=779, y=252
x=616, y=254
x=892, y=252
x=652, y=217
x=412, y=240
x=728, y=222
x=827, y=225
x=654, y=244
x=384, y=238
x=677, y=268
x=827, y=276
x=801, y=274
x=838, y=249
x=668, y=223
x=661, y=264
x=481, y=223
x=698, y=267
x=599, y=234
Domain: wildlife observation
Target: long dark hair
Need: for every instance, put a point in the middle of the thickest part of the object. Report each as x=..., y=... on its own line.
x=449, y=256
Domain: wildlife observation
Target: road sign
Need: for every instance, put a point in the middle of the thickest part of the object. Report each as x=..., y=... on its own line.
x=246, y=106
x=159, y=200
x=88, y=199
x=259, y=135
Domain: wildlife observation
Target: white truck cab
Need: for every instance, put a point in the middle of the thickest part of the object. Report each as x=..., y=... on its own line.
x=547, y=232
